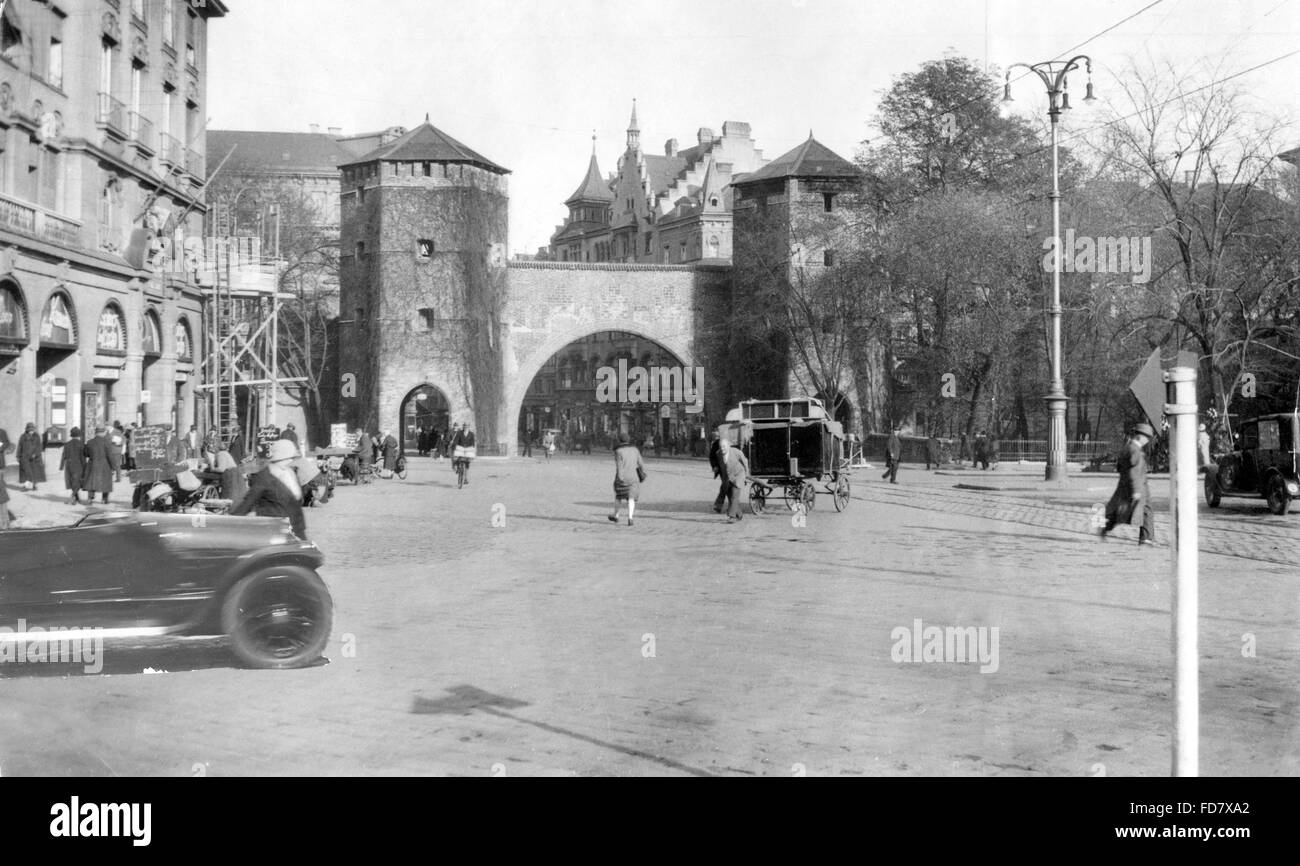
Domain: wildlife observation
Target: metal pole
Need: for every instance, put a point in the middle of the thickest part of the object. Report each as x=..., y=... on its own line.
x=1181, y=384
x=1056, y=399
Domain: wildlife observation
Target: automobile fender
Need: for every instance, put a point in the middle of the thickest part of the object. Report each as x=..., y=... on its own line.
x=295, y=554
x=1288, y=480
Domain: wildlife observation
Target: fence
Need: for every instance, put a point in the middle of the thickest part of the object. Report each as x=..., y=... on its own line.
x=1008, y=451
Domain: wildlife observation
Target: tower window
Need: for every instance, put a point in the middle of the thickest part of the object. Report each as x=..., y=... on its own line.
x=361, y=250
x=828, y=258
x=428, y=317
x=426, y=249
x=828, y=201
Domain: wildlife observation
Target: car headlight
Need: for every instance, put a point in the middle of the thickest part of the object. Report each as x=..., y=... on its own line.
x=1293, y=488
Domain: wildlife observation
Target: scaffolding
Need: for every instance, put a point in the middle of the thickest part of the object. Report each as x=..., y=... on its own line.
x=241, y=379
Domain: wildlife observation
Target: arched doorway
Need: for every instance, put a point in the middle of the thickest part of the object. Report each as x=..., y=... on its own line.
x=599, y=386
x=425, y=407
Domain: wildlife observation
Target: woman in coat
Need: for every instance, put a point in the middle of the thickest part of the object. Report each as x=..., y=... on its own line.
x=629, y=472
x=73, y=465
x=389, y=445
x=101, y=464
x=31, y=459
x=275, y=491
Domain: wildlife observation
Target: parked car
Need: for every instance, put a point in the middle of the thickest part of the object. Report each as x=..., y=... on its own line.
x=1263, y=463
x=136, y=574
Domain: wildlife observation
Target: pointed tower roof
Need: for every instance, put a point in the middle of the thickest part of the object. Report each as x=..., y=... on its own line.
x=810, y=159
x=713, y=187
x=632, y=126
x=593, y=186
x=427, y=143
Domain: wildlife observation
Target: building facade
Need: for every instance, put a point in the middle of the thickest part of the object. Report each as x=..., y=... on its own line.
x=101, y=174
x=673, y=208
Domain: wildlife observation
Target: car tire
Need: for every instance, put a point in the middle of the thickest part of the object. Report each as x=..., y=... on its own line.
x=278, y=617
x=1279, y=501
x=1213, y=496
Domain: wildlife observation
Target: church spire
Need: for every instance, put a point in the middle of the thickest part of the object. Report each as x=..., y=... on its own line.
x=633, y=131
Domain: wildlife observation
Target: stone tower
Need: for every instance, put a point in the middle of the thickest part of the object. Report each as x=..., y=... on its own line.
x=423, y=234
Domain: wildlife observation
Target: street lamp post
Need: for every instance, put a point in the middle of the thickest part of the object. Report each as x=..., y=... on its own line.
x=1053, y=75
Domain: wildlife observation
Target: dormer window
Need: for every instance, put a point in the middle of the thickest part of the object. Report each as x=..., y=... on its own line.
x=828, y=201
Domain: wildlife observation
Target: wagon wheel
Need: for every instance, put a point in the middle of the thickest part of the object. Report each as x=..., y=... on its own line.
x=841, y=492
x=807, y=497
x=757, y=498
x=792, y=496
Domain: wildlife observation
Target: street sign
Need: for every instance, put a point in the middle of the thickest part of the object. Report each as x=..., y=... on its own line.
x=146, y=397
x=1149, y=389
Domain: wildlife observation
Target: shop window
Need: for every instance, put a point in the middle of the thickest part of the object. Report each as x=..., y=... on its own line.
x=110, y=338
x=184, y=342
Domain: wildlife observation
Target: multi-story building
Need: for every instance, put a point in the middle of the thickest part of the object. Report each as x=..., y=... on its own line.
x=102, y=168
x=659, y=209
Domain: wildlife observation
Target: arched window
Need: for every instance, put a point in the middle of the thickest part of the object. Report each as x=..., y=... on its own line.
x=13, y=319
x=58, y=326
x=110, y=338
x=152, y=334
x=184, y=341
x=110, y=222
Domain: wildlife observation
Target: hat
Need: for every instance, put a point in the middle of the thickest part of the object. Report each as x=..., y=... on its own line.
x=76, y=432
x=31, y=428
x=624, y=439
x=281, y=450
x=1144, y=429
x=1202, y=427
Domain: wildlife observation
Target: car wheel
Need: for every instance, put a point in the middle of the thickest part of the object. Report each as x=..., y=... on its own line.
x=279, y=617
x=1212, y=493
x=1279, y=501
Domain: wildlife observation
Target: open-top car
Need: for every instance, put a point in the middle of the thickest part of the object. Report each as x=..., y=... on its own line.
x=1263, y=463
x=136, y=574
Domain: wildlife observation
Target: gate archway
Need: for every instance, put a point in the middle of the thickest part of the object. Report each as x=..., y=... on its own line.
x=424, y=407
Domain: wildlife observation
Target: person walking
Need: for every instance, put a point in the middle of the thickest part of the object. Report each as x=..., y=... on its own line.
x=192, y=442
x=290, y=434
x=629, y=472
x=128, y=460
x=235, y=444
x=31, y=459
x=365, y=456
x=994, y=450
x=388, y=444
x=893, y=454
x=718, y=461
x=736, y=467
x=117, y=442
x=73, y=465
x=275, y=491
x=101, y=465
x=528, y=443
x=1203, y=446
x=548, y=443
x=982, y=450
x=1131, y=501
x=932, y=451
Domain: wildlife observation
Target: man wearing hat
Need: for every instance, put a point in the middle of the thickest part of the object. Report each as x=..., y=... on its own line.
x=101, y=465
x=31, y=459
x=275, y=491
x=893, y=453
x=73, y=464
x=1131, y=502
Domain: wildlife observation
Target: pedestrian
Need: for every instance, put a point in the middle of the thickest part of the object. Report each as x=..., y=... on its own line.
x=174, y=447
x=737, y=472
x=73, y=465
x=994, y=450
x=435, y=443
x=982, y=450
x=1131, y=501
x=528, y=443
x=128, y=461
x=1203, y=446
x=290, y=434
x=718, y=461
x=232, y=483
x=101, y=464
x=365, y=455
x=192, y=442
x=963, y=450
x=629, y=472
x=235, y=444
x=31, y=459
x=275, y=491
x=932, y=451
x=548, y=443
x=117, y=442
x=4, y=504
x=388, y=443
x=893, y=455
x=5, y=445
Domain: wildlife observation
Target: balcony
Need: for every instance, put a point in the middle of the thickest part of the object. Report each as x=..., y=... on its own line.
x=112, y=115
x=38, y=222
x=141, y=130
x=170, y=151
x=196, y=165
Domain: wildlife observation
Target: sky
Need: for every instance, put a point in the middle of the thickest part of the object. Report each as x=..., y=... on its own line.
x=527, y=83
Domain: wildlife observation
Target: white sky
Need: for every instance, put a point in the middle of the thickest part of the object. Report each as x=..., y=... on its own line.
x=525, y=82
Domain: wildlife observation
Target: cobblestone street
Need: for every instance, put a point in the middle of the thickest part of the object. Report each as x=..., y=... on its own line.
x=510, y=629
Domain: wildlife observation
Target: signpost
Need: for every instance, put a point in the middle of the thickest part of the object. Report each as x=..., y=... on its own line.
x=1181, y=408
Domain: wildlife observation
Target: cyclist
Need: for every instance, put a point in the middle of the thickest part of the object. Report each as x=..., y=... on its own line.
x=462, y=452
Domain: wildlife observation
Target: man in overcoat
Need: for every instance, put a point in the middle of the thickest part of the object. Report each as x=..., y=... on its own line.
x=31, y=459
x=101, y=465
x=73, y=464
x=1131, y=501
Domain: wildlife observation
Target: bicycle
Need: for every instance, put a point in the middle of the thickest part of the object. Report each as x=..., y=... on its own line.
x=461, y=465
